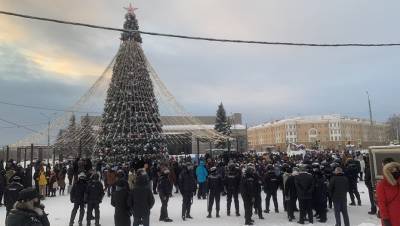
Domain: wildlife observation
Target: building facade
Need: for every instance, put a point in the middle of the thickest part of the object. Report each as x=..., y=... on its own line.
x=180, y=132
x=324, y=131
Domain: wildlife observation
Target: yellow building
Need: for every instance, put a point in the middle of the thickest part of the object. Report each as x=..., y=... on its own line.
x=325, y=131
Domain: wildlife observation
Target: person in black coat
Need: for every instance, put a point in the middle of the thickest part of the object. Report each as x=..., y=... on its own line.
x=165, y=191
x=290, y=193
x=338, y=188
x=141, y=199
x=187, y=187
x=305, y=186
x=3, y=184
x=215, y=187
x=28, y=210
x=247, y=190
x=232, y=185
x=271, y=184
x=11, y=193
x=352, y=171
x=320, y=195
x=257, y=195
x=94, y=196
x=120, y=200
x=368, y=183
x=77, y=198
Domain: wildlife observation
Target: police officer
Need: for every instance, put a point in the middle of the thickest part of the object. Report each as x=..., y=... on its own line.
x=28, y=210
x=215, y=187
x=11, y=193
x=77, y=198
x=248, y=191
x=94, y=196
x=187, y=187
x=352, y=171
x=232, y=184
x=165, y=191
x=271, y=184
x=320, y=193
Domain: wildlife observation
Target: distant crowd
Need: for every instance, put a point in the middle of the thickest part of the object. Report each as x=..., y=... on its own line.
x=310, y=184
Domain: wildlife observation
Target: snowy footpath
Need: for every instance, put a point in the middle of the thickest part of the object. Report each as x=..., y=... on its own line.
x=59, y=210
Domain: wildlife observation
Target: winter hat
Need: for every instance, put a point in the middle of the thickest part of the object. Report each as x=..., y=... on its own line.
x=82, y=176
x=213, y=169
x=28, y=194
x=338, y=170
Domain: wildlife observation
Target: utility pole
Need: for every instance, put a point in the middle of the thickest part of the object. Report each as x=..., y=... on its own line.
x=371, y=134
x=370, y=110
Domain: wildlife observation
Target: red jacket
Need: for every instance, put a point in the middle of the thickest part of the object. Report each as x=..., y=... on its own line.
x=388, y=195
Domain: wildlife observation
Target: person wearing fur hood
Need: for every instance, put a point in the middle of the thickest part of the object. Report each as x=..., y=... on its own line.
x=388, y=195
x=28, y=210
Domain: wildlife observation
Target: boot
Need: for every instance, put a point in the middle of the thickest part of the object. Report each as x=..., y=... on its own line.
x=228, y=212
x=209, y=215
x=217, y=215
x=359, y=202
x=276, y=210
x=237, y=214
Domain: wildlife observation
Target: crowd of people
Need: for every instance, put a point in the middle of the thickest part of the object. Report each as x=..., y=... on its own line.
x=310, y=184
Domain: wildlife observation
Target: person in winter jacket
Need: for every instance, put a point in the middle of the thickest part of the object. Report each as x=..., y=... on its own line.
x=154, y=175
x=305, y=187
x=338, y=188
x=42, y=181
x=28, y=210
x=77, y=198
x=94, y=196
x=290, y=192
x=165, y=191
x=271, y=184
x=120, y=200
x=141, y=199
x=232, y=186
x=320, y=198
x=352, y=171
x=201, y=174
x=388, y=194
x=247, y=190
x=11, y=193
x=368, y=183
x=3, y=184
x=187, y=187
x=215, y=187
x=257, y=195
x=111, y=179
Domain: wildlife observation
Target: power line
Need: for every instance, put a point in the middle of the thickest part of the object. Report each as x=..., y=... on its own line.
x=202, y=38
x=18, y=125
x=11, y=127
x=45, y=108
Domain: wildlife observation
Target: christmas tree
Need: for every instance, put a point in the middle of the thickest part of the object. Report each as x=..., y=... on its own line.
x=223, y=126
x=131, y=122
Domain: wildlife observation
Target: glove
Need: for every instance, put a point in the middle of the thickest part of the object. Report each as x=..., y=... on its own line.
x=386, y=222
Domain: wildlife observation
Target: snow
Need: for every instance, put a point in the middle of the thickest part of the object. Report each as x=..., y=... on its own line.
x=59, y=210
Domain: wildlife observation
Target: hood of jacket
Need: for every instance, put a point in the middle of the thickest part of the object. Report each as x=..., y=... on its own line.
x=387, y=172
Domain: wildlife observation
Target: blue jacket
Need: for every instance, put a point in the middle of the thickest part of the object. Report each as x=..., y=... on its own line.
x=201, y=173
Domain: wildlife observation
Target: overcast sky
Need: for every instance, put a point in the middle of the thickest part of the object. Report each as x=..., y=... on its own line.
x=53, y=65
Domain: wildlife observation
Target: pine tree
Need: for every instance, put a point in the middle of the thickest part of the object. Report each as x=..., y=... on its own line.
x=71, y=138
x=59, y=145
x=223, y=126
x=131, y=122
x=87, y=137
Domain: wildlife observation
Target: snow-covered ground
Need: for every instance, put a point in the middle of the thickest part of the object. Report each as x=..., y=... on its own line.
x=59, y=210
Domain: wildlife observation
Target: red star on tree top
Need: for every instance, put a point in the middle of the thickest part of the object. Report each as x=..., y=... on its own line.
x=130, y=9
